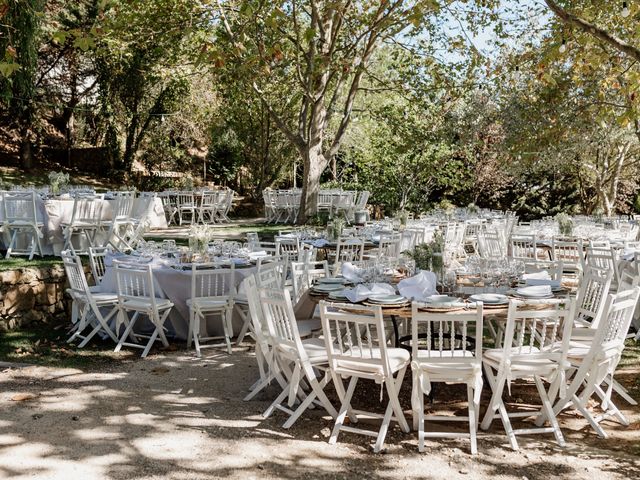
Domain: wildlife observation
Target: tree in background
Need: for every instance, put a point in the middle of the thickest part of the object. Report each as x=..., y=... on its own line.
x=322, y=51
x=19, y=44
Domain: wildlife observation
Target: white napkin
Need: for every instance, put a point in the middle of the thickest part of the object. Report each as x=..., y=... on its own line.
x=418, y=287
x=628, y=254
x=536, y=291
x=351, y=273
x=258, y=254
x=543, y=275
x=362, y=291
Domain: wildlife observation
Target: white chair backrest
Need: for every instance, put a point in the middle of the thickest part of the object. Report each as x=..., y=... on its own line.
x=20, y=206
x=75, y=273
x=534, y=333
x=304, y=273
x=349, y=250
x=355, y=339
x=363, y=198
x=210, y=281
x=260, y=329
x=185, y=199
x=446, y=335
x=389, y=245
x=96, y=259
x=87, y=210
x=281, y=321
x=523, y=247
x=592, y=294
x=615, y=322
x=289, y=246
x=135, y=282
x=271, y=275
x=123, y=205
x=570, y=253
x=490, y=245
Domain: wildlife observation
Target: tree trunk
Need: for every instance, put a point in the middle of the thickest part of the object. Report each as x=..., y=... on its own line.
x=26, y=153
x=314, y=165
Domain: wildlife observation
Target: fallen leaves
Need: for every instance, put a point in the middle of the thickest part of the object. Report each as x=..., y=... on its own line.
x=23, y=397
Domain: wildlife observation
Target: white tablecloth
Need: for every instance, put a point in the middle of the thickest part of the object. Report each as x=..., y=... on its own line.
x=176, y=286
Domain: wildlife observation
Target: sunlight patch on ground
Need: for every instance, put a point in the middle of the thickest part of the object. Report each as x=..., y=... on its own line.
x=38, y=460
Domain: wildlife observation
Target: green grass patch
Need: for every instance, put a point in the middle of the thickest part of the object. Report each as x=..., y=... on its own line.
x=43, y=344
x=15, y=263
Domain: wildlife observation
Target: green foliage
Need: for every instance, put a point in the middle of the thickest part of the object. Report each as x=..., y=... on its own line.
x=429, y=256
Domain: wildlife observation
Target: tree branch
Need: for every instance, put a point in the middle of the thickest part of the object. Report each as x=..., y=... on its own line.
x=593, y=30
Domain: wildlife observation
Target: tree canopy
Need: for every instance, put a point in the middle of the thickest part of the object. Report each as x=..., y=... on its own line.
x=531, y=106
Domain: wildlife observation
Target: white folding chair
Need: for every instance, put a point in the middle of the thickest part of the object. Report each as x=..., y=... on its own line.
x=21, y=218
x=357, y=348
x=446, y=347
x=212, y=293
x=87, y=303
x=86, y=221
x=594, y=364
x=137, y=294
x=264, y=348
x=118, y=228
x=186, y=207
x=305, y=356
x=530, y=351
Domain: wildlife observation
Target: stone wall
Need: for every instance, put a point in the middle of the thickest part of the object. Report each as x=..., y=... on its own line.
x=32, y=294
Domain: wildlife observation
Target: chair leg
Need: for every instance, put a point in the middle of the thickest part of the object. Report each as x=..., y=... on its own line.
x=547, y=407
x=420, y=420
x=346, y=404
x=246, y=323
x=473, y=420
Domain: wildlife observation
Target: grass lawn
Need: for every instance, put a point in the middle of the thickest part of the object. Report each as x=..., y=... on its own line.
x=14, y=263
x=44, y=344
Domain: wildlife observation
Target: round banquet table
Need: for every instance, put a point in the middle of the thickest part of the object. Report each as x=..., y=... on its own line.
x=175, y=284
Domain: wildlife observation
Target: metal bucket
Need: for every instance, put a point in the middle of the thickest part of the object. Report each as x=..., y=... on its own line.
x=360, y=217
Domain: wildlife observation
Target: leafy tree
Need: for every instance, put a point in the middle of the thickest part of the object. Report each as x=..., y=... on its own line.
x=19, y=43
x=321, y=51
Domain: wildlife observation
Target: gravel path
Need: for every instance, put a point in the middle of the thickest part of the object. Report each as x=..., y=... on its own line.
x=172, y=416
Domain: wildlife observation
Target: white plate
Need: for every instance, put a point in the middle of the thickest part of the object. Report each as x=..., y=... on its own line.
x=436, y=299
x=527, y=292
x=386, y=299
x=489, y=298
x=338, y=295
x=326, y=288
x=330, y=281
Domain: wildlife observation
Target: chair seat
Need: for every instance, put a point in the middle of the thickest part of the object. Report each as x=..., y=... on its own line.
x=205, y=303
x=81, y=225
x=22, y=223
x=102, y=297
x=398, y=358
x=314, y=347
x=526, y=362
x=144, y=305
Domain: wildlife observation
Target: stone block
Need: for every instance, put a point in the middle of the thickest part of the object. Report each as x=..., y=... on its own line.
x=10, y=277
x=18, y=298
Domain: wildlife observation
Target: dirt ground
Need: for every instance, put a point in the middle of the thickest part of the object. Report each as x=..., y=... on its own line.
x=173, y=416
